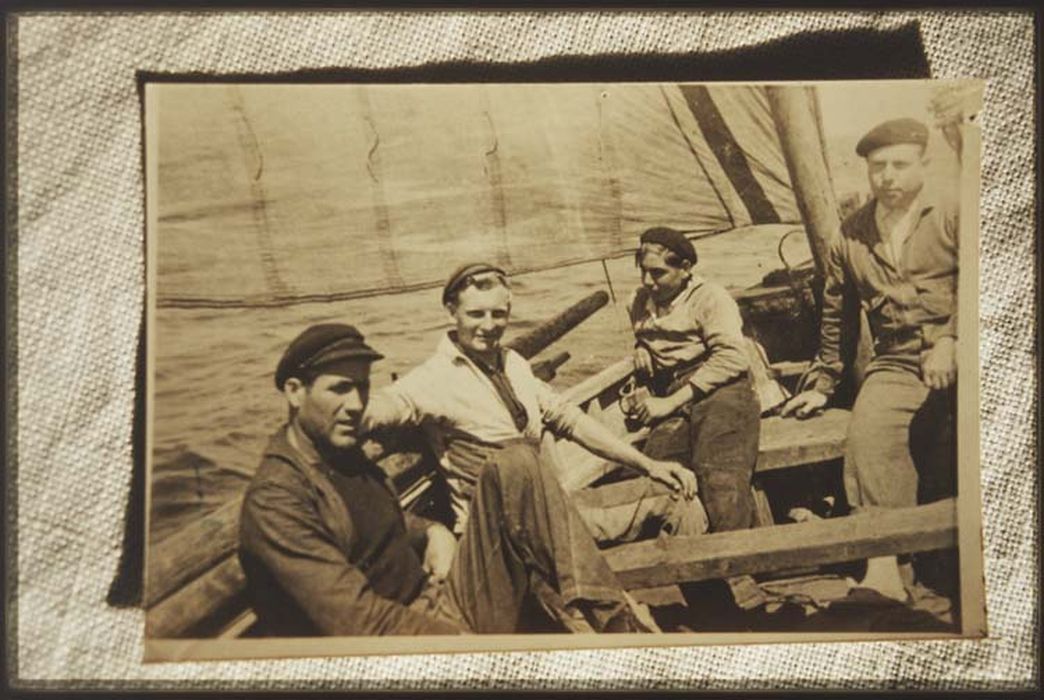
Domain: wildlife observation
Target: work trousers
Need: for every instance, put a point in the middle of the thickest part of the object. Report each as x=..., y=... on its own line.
x=636, y=509
x=524, y=537
x=901, y=451
x=718, y=438
x=901, y=445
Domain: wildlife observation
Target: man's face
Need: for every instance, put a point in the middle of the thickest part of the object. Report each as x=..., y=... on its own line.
x=660, y=278
x=481, y=316
x=896, y=173
x=330, y=409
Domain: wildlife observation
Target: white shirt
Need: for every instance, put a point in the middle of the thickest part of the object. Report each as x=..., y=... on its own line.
x=451, y=398
x=896, y=225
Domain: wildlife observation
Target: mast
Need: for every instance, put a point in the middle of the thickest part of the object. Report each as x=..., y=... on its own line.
x=803, y=151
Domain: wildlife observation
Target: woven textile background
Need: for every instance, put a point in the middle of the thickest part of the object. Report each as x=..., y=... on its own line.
x=80, y=291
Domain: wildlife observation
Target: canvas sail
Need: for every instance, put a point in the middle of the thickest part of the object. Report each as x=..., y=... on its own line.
x=324, y=193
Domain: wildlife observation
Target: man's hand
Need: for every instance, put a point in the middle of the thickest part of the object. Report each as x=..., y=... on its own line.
x=677, y=477
x=939, y=365
x=643, y=364
x=804, y=405
x=653, y=408
x=438, y=555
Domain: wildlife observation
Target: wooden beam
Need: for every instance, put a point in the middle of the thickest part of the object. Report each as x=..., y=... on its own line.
x=212, y=599
x=191, y=551
x=668, y=560
x=533, y=342
x=803, y=151
x=597, y=383
x=788, y=442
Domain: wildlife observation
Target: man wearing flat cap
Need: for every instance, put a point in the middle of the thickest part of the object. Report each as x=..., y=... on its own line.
x=480, y=404
x=896, y=257
x=327, y=549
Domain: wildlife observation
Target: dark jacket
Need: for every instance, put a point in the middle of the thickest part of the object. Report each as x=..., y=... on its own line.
x=908, y=308
x=294, y=534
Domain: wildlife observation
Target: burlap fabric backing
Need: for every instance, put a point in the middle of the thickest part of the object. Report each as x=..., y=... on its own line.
x=80, y=291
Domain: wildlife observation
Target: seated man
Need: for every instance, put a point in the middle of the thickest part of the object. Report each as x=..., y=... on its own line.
x=690, y=352
x=692, y=358
x=473, y=396
x=327, y=550
x=896, y=257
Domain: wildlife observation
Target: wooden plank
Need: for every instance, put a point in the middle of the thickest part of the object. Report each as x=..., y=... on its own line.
x=659, y=596
x=787, y=442
x=670, y=560
x=789, y=369
x=762, y=509
x=213, y=597
x=191, y=551
x=597, y=383
x=239, y=626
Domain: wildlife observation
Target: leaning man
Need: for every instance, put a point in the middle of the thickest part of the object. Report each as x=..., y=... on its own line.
x=897, y=259
x=474, y=398
x=327, y=549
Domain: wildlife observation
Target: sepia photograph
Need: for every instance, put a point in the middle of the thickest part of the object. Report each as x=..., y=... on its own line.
x=489, y=366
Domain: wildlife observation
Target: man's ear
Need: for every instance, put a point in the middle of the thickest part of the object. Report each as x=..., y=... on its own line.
x=294, y=391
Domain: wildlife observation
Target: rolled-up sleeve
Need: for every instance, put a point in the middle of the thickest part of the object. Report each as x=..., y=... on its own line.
x=283, y=531
x=393, y=406
x=717, y=314
x=560, y=415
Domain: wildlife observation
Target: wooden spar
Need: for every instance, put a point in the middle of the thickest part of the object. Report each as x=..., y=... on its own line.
x=545, y=371
x=672, y=560
x=531, y=343
x=803, y=152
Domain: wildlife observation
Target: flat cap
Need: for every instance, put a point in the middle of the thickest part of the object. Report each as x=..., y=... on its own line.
x=322, y=345
x=461, y=275
x=673, y=240
x=890, y=133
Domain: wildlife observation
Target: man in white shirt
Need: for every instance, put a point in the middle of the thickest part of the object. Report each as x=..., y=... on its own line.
x=473, y=396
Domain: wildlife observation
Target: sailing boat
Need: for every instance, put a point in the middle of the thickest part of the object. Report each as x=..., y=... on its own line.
x=605, y=164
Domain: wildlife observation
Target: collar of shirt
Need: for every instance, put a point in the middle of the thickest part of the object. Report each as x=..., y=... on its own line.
x=455, y=354
x=302, y=444
x=896, y=225
x=691, y=285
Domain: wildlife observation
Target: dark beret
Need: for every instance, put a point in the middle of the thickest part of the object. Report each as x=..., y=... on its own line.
x=461, y=274
x=320, y=346
x=891, y=133
x=672, y=240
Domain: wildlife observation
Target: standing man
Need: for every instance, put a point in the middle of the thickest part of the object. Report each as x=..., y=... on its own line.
x=327, y=550
x=474, y=396
x=897, y=258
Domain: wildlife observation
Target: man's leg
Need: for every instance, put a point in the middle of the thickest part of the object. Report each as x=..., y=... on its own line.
x=725, y=429
x=638, y=508
x=879, y=469
x=521, y=525
x=901, y=452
